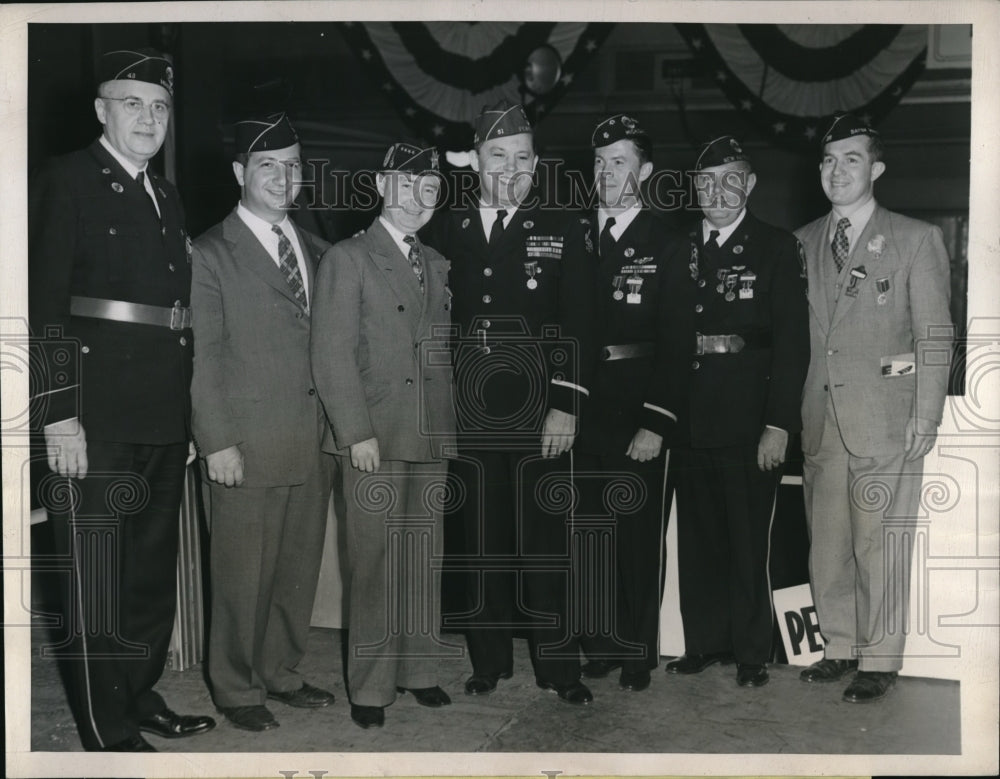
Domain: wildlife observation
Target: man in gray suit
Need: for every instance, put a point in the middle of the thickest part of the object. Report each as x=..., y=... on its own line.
x=383, y=370
x=881, y=335
x=258, y=425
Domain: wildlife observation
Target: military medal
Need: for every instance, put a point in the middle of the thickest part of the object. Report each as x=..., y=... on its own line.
x=731, y=280
x=693, y=264
x=634, y=285
x=720, y=274
x=882, y=285
x=857, y=274
x=531, y=268
x=618, y=281
x=746, y=285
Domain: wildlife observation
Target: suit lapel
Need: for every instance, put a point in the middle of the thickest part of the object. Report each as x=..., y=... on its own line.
x=253, y=255
x=385, y=255
x=816, y=249
x=860, y=256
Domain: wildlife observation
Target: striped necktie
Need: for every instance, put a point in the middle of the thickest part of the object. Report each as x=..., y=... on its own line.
x=841, y=246
x=290, y=267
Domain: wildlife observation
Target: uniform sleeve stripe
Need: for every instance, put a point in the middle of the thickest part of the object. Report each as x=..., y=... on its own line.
x=576, y=387
x=659, y=410
x=52, y=392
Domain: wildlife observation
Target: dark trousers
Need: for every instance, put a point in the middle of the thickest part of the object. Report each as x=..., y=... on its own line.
x=620, y=523
x=725, y=505
x=119, y=529
x=515, y=520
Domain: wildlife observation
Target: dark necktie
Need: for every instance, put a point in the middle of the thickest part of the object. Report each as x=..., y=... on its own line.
x=497, y=230
x=290, y=267
x=140, y=179
x=713, y=240
x=841, y=246
x=416, y=258
x=607, y=241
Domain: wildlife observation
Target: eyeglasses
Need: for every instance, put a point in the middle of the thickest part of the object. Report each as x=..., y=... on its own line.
x=133, y=106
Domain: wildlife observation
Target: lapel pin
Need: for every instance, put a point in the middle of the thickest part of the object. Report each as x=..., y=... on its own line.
x=105, y=171
x=117, y=187
x=465, y=223
x=738, y=249
x=528, y=224
x=629, y=252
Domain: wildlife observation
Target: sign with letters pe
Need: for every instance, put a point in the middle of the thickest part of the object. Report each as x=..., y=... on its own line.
x=796, y=615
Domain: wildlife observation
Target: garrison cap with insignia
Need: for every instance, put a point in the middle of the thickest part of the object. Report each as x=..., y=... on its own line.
x=407, y=158
x=616, y=128
x=505, y=118
x=146, y=65
x=721, y=151
x=847, y=126
x=265, y=134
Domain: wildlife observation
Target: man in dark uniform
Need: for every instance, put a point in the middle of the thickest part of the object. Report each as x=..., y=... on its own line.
x=522, y=279
x=109, y=267
x=632, y=406
x=748, y=330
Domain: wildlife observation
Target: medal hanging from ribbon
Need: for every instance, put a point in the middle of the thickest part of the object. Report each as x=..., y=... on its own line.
x=746, y=285
x=693, y=264
x=731, y=279
x=857, y=274
x=634, y=285
x=531, y=269
x=617, y=282
x=882, y=285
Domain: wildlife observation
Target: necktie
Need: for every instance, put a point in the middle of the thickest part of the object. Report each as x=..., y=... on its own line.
x=607, y=241
x=140, y=179
x=713, y=240
x=290, y=267
x=841, y=246
x=497, y=230
x=416, y=259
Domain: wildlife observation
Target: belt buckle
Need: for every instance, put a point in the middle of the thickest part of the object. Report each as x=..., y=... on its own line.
x=699, y=344
x=736, y=343
x=180, y=318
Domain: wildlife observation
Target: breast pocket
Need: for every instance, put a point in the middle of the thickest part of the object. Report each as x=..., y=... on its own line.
x=112, y=245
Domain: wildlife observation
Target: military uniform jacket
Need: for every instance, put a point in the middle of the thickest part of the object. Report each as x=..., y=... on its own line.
x=252, y=382
x=380, y=349
x=94, y=233
x=754, y=287
x=638, y=392
x=524, y=316
x=882, y=354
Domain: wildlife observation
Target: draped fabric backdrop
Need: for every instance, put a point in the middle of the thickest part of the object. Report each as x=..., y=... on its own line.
x=439, y=75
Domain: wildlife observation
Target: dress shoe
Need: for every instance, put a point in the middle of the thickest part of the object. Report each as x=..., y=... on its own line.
x=434, y=697
x=306, y=697
x=598, y=669
x=869, y=686
x=751, y=674
x=254, y=718
x=575, y=693
x=167, y=724
x=828, y=670
x=484, y=684
x=134, y=743
x=368, y=716
x=634, y=681
x=695, y=664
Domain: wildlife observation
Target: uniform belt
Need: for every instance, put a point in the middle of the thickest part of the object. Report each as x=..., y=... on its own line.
x=626, y=351
x=176, y=318
x=730, y=343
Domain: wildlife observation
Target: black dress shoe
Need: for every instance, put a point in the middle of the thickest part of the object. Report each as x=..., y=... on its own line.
x=167, y=724
x=434, y=697
x=134, y=743
x=575, y=693
x=368, y=716
x=598, y=669
x=634, y=681
x=869, y=686
x=306, y=697
x=255, y=718
x=695, y=664
x=484, y=684
x=751, y=674
x=828, y=670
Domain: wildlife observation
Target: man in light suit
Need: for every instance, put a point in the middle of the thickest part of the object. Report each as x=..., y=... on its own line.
x=383, y=370
x=258, y=425
x=881, y=334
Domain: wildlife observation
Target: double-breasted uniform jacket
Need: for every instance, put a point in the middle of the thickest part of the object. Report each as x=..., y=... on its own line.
x=252, y=382
x=94, y=233
x=644, y=391
x=380, y=349
x=754, y=287
x=899, y=273
x=523, y=311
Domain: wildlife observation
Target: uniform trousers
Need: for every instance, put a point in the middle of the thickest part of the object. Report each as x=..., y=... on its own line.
x=515, y=518
x=623, y=579
x=861, y=514
x=725, y=505
x=266, y=550
x=119, y=529
x=395, y=543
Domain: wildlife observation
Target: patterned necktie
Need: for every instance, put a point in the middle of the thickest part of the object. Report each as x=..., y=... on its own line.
x=497, y=230
x=290, y=267
x=416, y=258
x=841, y=246
x=140, y=179
x=607, y=241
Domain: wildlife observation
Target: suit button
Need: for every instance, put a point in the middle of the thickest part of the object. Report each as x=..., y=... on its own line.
x=486, y=350
x=171, y=267
x=701, y=282
x=487, y=298
x=826, y=388
x=184, y=341
x=699, y=308
x=401, y=308
x=312, y=391
x=85, y=349
x=487, y=271
x=696, y=365
x=486, y=323
x=409, y=382
x=112, y=231
x=829, y=351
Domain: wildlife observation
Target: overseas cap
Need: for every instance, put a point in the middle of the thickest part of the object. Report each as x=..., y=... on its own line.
x=137, y=65
x=407, y=158
x=265, y=134
x=616, y=128
x=505, y=118
x=846, y=126
x=721, y=151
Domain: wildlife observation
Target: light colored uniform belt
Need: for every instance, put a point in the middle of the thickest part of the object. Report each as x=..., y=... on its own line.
x=626, y=351
x=730, y=343
x=176, y=318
